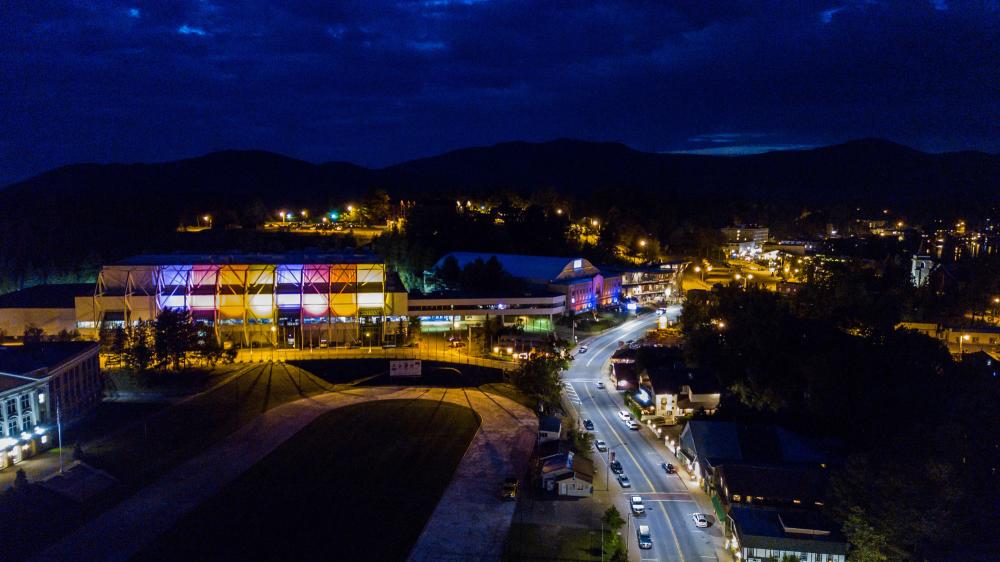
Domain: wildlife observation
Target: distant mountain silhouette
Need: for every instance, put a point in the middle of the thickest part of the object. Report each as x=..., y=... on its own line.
x=54, y=221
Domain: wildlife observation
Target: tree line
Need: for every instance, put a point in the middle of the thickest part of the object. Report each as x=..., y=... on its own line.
x=170, y=342
x=923, y=448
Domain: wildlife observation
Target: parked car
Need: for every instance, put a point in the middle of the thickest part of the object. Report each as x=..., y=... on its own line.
x=600, y=385
x=588, y=425
x=700, y=520
x=583, y=349
x=632, y=424
x=635, y=503
x=624, y=481
x=668, y=468
x=616, y=467
x=643, y=537
x=508, y=490
x=601, y=445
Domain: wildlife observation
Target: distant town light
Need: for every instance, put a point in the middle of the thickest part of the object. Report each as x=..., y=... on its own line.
x=350, y=208
x=558, y=211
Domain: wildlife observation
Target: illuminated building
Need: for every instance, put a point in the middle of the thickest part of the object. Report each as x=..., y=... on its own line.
x=583, y=284
x=288, y=300
x=41, y=385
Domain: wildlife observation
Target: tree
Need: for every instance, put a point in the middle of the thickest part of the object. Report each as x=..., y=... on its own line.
x=33, y=334
x=173, y=335
x=78, y=453
x=21, y=481
x=209, y=350
x=538, y=377
x=137, y=347
x=612, y=519
x=867, y=544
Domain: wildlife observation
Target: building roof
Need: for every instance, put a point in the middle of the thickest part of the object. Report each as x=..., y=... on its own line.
x=550, y=424
x=532, y=293
x=668, y=379
x=27, y=360
x=533, y=268
x=793, y=530
x=61, y=295
x=719, y=442
x=286, y=258
x=804, y=483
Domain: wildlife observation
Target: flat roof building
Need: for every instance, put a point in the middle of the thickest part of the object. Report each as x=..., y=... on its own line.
x=772, y=534
x=584, y=286
x=40, y=385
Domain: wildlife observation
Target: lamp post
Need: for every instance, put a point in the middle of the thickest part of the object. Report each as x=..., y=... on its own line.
x=961, y=342
x=274, y=341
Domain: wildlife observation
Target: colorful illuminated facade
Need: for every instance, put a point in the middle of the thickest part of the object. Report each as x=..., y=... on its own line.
x=290, y=300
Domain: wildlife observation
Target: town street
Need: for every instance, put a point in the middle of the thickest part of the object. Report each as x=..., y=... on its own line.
x=669, y=500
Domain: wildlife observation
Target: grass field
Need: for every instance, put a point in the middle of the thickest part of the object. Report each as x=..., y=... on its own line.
x=138, y=453
x=533, y=542
x=356, y=484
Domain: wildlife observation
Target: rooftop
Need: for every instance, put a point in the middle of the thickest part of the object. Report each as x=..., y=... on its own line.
x=804, y=483
x=47, y=296
x=719, y=442
x=26, y=359
x=535, y=268
x=549, y=424
x=286, y=258
x=795, y=530
x=668, y=379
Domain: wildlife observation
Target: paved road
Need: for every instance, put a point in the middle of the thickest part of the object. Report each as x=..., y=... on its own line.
x=669, y=501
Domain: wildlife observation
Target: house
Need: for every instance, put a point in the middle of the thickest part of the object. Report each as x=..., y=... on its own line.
x=42, y=385
x=707, y=445
x=670, y=391
x=568, y=474
x=549, y=428
x=790, y=486
x=762, y=534
x=624, y=376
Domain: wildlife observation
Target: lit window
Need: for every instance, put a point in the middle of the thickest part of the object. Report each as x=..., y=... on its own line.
x=41, y=398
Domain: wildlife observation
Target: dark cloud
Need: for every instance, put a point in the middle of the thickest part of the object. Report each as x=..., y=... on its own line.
x=379, y=82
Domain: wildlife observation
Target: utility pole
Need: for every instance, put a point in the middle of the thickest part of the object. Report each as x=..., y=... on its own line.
x=59, y=431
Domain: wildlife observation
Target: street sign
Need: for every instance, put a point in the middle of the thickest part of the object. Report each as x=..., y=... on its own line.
x=404, y=368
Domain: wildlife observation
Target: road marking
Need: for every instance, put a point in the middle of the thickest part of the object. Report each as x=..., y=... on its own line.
x=677, y=543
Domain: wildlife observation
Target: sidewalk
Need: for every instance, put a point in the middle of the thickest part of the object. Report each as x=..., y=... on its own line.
x=701, y=498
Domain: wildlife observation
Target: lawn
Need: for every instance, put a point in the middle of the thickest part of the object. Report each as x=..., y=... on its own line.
x=532, y=542
x=435, y=373
x=358, y=483
x=137, y=453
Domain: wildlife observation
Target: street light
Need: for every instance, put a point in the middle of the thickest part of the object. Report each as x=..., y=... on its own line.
x=961, y=341
x=642, y=243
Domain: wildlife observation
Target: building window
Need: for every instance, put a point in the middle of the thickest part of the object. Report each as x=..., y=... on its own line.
x=25, y=402
x=26, y=422
x=11, y=407
x=11, y=427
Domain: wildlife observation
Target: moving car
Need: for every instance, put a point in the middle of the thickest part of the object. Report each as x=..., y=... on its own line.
x=624, y=481
x=643, y=537
x=588, y=425
x=700, y=520
x=635, y=502
x=583, y=349
x=632, y=424
x=668, y=468
x=616, y=467
x=508, y=490
x=601, y=445
x=600, y=385
x=623, y=415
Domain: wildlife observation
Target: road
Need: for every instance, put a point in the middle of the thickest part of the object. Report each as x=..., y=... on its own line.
x=669, y=502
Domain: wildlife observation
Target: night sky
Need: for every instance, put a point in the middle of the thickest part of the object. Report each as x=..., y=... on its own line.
x=381, y=82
